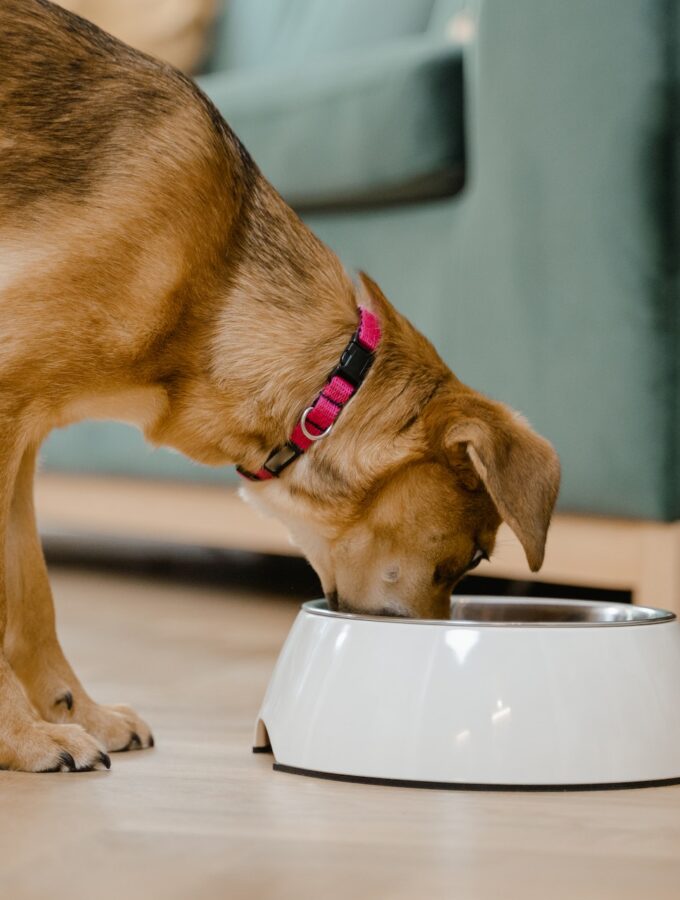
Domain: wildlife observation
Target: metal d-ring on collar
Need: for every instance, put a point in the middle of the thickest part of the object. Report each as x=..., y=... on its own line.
x=308, y=434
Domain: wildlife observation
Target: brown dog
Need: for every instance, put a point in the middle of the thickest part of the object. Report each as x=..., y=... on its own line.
x=149, y=273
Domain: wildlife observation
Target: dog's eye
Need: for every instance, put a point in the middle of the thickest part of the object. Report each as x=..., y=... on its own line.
x=477, y=557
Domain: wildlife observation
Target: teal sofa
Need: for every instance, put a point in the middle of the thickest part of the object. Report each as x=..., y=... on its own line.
x=509, y=172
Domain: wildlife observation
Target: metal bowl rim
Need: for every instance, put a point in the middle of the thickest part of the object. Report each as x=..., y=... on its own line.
x=648, y=615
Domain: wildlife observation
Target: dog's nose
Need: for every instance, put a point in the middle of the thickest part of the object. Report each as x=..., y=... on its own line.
x=332, y=600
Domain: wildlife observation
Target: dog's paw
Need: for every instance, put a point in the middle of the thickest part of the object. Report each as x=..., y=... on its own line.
x=118, y=728
x=43, y=747
x=59, y=698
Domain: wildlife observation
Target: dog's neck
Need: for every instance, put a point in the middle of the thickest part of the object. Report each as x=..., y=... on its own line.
x=286, y=309
x=380, y=429
x=331, y=486
x=310, y=314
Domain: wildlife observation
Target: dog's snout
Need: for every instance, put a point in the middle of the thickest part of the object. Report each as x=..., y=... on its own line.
x=332, y=600
x=340, y=604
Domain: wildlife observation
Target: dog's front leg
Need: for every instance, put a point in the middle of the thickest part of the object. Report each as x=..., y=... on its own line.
x=28, y=743
x=32, y=646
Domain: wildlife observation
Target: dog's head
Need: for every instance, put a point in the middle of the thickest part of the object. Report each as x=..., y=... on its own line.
x=408, y=495
x=434, y=518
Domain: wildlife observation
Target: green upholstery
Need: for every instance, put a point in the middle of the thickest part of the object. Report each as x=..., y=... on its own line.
x=372, y=125
x=293, y=33
x=92, y=447
x=551, y=280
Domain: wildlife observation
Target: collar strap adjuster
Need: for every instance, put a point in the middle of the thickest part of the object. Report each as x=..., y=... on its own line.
x=275, y=463
x=318, y=419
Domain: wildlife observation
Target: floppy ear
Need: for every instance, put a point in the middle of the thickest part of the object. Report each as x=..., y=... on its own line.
x=520, y=470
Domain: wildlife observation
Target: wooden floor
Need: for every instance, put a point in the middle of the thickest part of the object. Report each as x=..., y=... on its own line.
x=201, y=817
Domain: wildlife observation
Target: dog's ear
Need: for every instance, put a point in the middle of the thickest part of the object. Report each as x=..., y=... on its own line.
x=369, y=291
x=520, y=469
x=372, y=297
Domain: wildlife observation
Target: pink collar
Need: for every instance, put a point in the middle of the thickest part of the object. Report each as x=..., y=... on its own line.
x=318, y=419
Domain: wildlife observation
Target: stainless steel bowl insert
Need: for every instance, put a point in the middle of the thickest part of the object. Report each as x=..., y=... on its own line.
x=524, y=612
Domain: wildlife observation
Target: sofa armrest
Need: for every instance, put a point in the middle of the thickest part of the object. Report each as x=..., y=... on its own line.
x=374, y=126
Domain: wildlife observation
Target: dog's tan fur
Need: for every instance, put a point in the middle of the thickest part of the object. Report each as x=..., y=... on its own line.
x=148, y=272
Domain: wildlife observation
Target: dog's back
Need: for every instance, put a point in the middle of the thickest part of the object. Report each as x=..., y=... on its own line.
x=78, y=106
x=118, y=182
x=65, y=103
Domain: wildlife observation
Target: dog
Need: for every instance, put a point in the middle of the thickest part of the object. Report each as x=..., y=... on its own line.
x=149, y=273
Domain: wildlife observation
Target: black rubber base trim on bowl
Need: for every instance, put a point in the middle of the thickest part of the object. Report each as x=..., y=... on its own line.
x=267, y=749
x=463, y=786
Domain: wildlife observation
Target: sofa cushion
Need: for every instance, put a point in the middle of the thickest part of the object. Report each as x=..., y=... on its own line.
x=256, y=33
x=369, y=126
x=112, y=448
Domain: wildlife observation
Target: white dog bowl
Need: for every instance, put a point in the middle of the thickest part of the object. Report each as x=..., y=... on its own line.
x=507, y=694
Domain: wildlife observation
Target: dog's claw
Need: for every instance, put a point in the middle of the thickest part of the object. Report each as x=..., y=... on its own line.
x=135, y=742
x=152, y=743
x=66, y=762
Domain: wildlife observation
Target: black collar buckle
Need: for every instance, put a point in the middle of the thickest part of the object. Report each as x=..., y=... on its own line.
x=355, y=362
